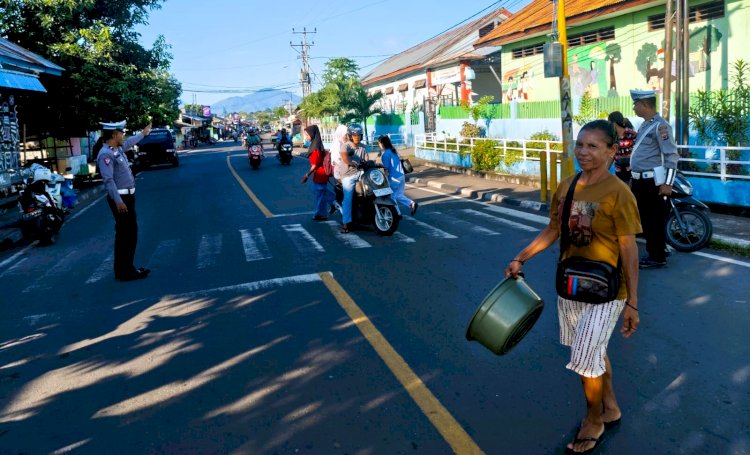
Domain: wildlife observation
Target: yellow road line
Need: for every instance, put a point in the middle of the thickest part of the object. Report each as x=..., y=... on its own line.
x=449, y=428
x=249, y=192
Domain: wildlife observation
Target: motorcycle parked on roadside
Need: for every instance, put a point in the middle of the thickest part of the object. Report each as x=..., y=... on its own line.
x=285, y=153
x=41, y=217
x=255, y=155
x=372, y=204
x=688, y=226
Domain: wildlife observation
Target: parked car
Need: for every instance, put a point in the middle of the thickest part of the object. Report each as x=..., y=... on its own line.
x=156, y=148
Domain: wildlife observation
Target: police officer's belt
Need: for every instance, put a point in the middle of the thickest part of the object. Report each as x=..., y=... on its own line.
x=642, y=175
x=132, y=190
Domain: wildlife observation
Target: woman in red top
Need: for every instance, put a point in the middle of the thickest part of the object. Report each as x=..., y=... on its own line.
x=323, y=196
x=626, y=139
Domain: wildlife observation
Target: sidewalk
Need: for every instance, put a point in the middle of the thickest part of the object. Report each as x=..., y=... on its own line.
x=728, y=229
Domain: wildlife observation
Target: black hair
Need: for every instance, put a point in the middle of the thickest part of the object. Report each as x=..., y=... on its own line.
x=606, y=127
x=316, y=142
x=386, y=141
x=650, y=102
x=107, y=135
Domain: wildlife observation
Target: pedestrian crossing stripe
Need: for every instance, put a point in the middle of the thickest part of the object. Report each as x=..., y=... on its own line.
x=255, y=245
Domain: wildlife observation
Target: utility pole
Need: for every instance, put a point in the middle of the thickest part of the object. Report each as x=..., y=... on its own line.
x=667, y=89
x=567, y=167
x=304, y=75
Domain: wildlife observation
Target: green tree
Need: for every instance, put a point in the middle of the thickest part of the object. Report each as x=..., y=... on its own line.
x=359, y=106
x=280, y=112
x=587, y=111
x=108, y=74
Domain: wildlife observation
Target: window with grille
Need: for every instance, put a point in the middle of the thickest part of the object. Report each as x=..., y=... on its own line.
x=698, y=13
x=521, y=52
x=593, y=36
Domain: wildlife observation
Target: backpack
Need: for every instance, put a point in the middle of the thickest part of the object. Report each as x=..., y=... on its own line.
x=327, y=165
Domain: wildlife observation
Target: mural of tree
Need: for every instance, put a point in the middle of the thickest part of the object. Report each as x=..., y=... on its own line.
x=645, y=58
x=705, y=39
x=614, y=55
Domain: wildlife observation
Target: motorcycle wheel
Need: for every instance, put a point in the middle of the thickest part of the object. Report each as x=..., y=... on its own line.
x=386, y=219
x=696, y=236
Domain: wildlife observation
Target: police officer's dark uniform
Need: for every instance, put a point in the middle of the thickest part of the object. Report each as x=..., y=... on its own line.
x=120, y=185
x=654, y=149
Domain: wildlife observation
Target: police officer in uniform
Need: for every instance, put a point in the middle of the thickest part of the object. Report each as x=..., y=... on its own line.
x=120, y=185
x=653, y=167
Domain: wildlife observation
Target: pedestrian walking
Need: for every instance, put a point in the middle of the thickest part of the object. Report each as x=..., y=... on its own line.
x=323, y=196
x=396, y=177
x=625, y=140
x=120, y=186
x=653, y=168
x=601, y=224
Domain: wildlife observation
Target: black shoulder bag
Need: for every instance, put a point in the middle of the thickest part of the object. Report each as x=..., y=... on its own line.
x=578, y=278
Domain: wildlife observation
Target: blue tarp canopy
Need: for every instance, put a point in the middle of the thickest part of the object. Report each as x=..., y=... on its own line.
x=21, y=81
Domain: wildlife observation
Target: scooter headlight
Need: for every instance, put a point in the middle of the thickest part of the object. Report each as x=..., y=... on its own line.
x=377, y=177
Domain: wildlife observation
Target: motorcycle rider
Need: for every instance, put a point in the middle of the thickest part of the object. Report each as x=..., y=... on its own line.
x=252, y=138
x=282, y=139
x=353, y=153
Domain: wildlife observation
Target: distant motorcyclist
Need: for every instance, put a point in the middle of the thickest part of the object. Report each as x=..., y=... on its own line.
x=282, y=138
x=252, y=138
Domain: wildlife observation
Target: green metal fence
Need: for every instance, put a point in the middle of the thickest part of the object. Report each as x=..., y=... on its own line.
x=539, y=109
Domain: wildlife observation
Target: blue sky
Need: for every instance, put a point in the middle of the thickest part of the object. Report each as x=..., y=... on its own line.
x=236, y=45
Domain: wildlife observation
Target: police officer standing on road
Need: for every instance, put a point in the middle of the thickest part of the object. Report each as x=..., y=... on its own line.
x=654, y=167
x=120, y=185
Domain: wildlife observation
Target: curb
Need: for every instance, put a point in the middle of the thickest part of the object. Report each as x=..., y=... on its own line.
x=483, y=195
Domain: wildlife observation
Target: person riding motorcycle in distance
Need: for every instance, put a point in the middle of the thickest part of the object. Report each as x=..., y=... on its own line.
x=353, y=153
x=282, y=138
x=252, y=138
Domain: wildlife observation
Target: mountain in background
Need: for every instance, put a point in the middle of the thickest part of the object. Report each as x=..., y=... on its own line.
x=258, y=101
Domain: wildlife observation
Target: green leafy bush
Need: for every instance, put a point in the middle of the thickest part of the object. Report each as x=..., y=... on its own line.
x=471, y=130
x=486, y=155
x=542, y=136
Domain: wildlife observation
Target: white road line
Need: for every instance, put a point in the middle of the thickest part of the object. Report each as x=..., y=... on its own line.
x=255, y=245
x=15, y=266
x=106, y=267
x=256, y=285
x=722, y=259
x=163, y=254
x=352, y=240
x=302, y=239
x=208, y=250
x=23, y=251
x=505, y=211
x=432, y=231
x=58, y=269
x=494, y=219
x=399, y=237
x=463, y=224
x=281, y=215
x=80, y=212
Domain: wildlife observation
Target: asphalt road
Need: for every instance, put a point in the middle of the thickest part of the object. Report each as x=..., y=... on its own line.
x=261, y=331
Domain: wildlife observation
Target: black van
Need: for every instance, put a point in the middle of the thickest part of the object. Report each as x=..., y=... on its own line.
x=156, y=148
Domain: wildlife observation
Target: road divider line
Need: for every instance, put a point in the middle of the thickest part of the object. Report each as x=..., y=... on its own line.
x=438, y=415
x=104, y=268
x=209, y=250
x=498, y=220
x=452, y=220
x=302, y=239
x=247, y=189
x=721, y=258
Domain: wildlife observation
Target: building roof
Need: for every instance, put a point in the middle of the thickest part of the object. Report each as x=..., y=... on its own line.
x=431, y=51
x=536, y=18
x=12, y=54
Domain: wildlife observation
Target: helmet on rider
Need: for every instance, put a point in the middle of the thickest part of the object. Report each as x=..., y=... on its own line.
x=353, y=129
x=42, y=175
x=283, y=131
x=251, y=132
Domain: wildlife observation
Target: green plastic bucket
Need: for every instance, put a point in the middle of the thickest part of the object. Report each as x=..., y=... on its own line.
x=505, y=316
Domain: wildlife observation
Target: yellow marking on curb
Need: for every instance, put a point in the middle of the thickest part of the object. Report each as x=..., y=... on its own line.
x=441, y=419
x=249, y=192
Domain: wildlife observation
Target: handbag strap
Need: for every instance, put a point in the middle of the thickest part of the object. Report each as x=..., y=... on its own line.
x=564, y=227
x=567, y=204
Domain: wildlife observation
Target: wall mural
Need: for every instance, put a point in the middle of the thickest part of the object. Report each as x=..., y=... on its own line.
x=592, y=68
x=518, y=85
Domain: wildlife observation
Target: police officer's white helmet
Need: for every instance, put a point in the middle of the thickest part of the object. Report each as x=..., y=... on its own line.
x=42, y=174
